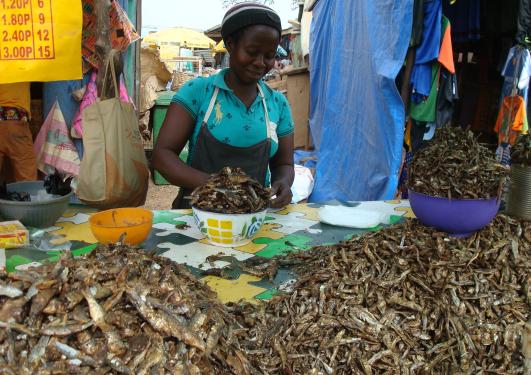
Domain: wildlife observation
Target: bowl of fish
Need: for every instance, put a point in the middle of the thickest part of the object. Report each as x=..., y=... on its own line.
x=230, y=208
x=31, y=204
x=455, y=182
x=228, y=230
x=130, y=226
x=458, y=217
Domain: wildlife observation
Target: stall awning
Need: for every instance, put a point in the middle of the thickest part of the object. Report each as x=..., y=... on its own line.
x=181, y=37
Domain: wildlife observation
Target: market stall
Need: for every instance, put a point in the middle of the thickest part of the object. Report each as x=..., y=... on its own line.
x=175, y=236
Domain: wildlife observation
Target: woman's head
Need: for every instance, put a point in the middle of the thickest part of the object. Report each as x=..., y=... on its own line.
x=251, y=33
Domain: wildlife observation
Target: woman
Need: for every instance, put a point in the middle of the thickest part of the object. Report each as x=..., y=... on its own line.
x=232, y=118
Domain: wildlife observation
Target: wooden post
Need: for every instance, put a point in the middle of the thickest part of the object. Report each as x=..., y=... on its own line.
x=103, y=47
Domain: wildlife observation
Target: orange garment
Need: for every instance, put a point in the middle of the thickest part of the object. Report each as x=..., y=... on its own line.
x=512, y=119
x=16, y=146
x=446, y=54
x=15, y=95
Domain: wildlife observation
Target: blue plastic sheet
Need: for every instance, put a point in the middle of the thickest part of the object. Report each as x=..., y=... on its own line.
x=357, y=116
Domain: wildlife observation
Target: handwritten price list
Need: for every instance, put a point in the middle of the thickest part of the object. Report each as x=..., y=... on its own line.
x=26, y=30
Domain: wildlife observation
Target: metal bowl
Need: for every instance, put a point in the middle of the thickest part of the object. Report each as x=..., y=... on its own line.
x=41, y=214
x=458, y=217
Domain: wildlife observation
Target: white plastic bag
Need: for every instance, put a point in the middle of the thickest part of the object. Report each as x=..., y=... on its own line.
x=302, y=185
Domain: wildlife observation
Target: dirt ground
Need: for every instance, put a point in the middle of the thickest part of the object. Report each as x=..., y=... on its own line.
x=160, y=197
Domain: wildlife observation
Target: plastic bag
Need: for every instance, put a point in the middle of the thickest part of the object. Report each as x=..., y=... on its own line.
x=302, y=185
x=351, y=217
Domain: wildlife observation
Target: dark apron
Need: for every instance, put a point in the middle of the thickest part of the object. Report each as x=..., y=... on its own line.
x=211, y=155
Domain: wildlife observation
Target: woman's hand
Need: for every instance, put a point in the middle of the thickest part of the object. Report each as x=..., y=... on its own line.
x=283, y=194
x=282, y=172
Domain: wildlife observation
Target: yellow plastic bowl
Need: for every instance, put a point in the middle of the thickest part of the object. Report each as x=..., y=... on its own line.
x=108, y=226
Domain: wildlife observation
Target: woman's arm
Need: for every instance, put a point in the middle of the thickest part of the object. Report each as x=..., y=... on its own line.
x=175, y=132
x=282, y=172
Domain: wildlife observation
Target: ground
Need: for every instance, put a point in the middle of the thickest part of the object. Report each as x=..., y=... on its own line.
x=160, y=197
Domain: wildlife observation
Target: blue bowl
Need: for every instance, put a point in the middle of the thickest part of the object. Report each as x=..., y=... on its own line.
x=458, y=217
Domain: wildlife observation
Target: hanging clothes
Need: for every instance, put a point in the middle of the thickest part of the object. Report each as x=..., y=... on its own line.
x=421, y=77
x=446, y=98
x=512, y=120
x=503, y=154
x=446, y=53
x=465, y=17
x=517, y=72
x=426, y=110
x=418, y=23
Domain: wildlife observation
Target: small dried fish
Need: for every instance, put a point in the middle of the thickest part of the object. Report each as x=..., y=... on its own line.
x=78, y=316
x=455, y=165
x=231, y=191
x=10, y=291
x=404, y=300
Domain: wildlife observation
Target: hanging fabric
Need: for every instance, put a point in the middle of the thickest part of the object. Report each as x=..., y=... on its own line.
x=512, y=119
x=54, y=149
x=421, y=78
x=426, y=110
x=517, y=73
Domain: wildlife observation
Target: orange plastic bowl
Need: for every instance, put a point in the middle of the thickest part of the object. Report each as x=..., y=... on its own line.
x=108, y=226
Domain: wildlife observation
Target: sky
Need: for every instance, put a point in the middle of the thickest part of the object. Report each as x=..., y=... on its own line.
x=196, y=14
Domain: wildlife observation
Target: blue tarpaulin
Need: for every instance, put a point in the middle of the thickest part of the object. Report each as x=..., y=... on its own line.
x=357, y=116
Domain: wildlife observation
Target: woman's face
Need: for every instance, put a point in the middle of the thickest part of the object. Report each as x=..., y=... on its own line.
x=253, y=55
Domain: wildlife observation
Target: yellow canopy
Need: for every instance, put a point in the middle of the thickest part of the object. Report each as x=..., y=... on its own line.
x=220, y=48
x=180, y=37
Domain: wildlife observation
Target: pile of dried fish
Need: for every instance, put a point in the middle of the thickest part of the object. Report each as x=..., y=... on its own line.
x=406, y=300
x=455, y=165
x=521, y=152
x=117, y=310
x=231, y=191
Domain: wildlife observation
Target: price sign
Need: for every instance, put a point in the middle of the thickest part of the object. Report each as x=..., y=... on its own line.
x=40, y=40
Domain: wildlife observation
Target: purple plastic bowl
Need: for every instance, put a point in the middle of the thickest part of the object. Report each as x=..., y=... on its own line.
x=458, y=217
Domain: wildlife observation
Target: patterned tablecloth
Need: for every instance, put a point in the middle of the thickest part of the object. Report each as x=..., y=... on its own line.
x=291, y=229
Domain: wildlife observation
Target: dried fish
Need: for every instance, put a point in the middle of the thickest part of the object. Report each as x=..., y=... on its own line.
x=402, y=300
x=10, y=291
x=231, y=191
x=455, y=165
x=96, y=318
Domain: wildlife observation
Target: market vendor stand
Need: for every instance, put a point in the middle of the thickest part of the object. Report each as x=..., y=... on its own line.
x=175, y=236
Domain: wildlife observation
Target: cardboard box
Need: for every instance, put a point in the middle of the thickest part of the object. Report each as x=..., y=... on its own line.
x=298, y=85
x=13, y=234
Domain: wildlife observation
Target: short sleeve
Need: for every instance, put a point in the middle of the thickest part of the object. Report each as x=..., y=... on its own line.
x=191, y=95
x=285, y=122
